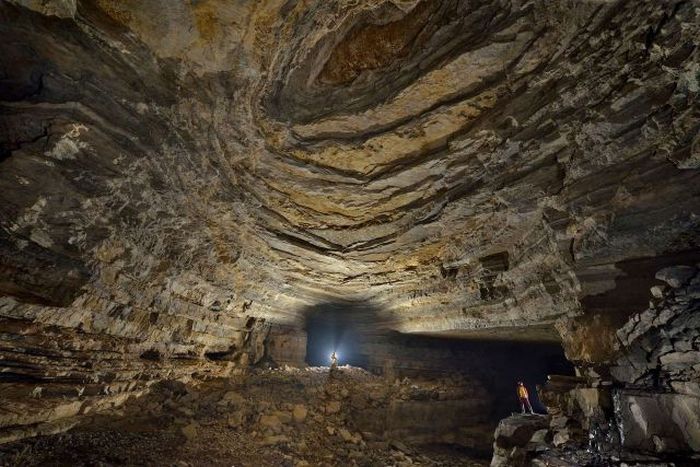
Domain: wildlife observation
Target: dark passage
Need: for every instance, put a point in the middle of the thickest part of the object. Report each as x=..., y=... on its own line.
x=498, y=365
x=343, y=328
x=358, y=334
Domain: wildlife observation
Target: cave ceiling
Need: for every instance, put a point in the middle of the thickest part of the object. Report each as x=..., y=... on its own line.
x=468, y=167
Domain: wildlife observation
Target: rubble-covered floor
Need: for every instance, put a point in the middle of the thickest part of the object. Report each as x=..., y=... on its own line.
x=526, y=440
x=282, y=417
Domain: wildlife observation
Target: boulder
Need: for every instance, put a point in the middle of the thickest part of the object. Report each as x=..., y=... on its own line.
x=190, y=431
x=299, y=413
x=680, y=358
x=513, y=436
x=332, y=407
x=676, y=276
x=346, y=435
x=540, y=436
x=561, y=437
x=232, y=398
x=657, y=291
x=272, y=422
x=235, y=419
x=284, y=417
x=589, y=403
x=273, y=440
x=660, y=422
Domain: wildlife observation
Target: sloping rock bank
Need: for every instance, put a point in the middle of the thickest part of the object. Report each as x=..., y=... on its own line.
x=284, y=417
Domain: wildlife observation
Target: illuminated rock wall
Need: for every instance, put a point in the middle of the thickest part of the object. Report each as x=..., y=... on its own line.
x=175, y=178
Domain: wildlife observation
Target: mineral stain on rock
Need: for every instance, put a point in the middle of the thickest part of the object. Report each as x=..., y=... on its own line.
x=373, y=46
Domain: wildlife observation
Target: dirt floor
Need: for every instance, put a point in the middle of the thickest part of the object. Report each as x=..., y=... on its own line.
x=285, y=417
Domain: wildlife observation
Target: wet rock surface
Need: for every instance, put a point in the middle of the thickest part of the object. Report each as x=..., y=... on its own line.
x=285, y=417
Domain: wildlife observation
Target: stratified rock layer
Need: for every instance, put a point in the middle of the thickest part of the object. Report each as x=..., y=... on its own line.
x=175, y=178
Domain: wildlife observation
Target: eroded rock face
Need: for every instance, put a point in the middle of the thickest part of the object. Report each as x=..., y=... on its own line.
x=644, y=405
x=660, y=345
x=660, y=422
x=175, y=177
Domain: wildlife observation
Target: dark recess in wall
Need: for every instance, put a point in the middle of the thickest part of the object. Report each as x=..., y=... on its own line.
x=345, y=328
x=359, y=335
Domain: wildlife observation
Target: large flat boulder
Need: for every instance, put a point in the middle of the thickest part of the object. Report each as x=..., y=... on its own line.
x=517, y=438
x=660, y=422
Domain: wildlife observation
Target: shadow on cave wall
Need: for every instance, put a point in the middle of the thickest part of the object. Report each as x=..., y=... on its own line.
x=360, y=335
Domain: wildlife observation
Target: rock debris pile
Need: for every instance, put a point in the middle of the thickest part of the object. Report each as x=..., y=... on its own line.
x=284, y=417
x=642, y=409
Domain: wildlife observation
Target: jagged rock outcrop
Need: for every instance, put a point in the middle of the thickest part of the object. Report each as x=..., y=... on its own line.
x=176, y=178
x=661, y=359
x=646, y=408
x=660, y=344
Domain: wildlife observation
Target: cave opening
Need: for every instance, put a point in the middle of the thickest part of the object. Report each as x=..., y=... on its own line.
x=496, y=364
x=344, y=328
x=361, y=337
x=200, y=201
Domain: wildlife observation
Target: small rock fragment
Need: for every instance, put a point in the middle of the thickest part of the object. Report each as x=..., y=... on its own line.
x=190, y=431
x=299, y=413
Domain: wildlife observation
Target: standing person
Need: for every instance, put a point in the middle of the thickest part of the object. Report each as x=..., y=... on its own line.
x=334, y=361
x=524, y=398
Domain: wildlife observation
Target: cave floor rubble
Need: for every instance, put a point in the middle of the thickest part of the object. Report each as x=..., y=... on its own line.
x=273, y=417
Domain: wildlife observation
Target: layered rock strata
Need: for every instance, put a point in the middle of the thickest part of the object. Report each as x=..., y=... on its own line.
x=176, y=177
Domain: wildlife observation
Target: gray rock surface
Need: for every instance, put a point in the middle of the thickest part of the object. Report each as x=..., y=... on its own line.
x=660, y=422
x=517, y=438
x=659, y=347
